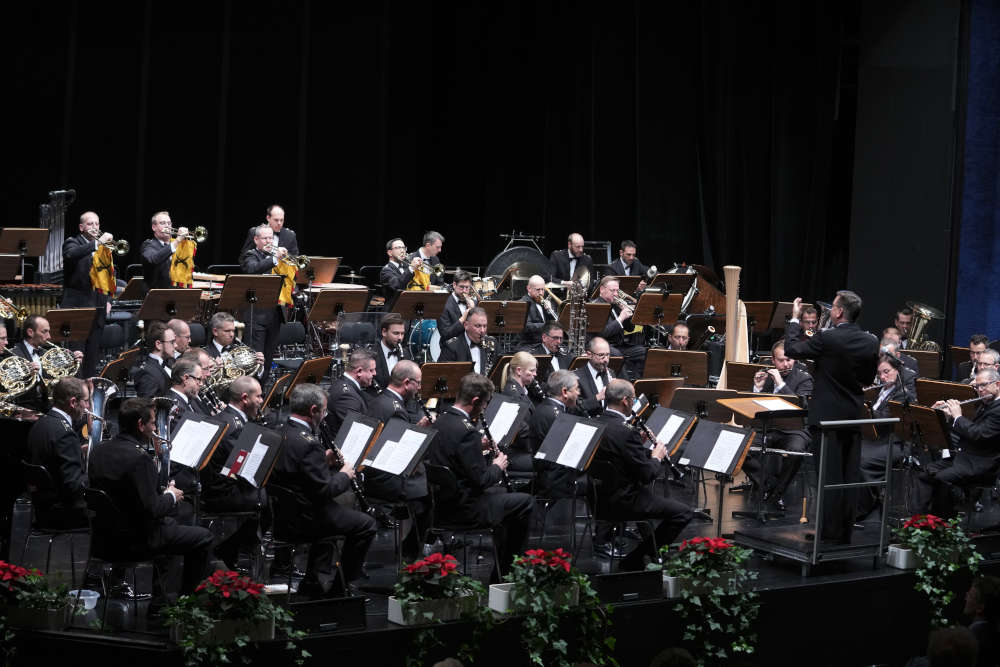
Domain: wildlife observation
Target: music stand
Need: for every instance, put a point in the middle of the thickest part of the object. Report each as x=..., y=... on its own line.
x=673, y=283
x=692, y=366
x=194, y=439
x=135, y=290
x=320, y=270
x=9, y=266
x=655, y=308
x=276, y=394
x=930, y=392
x=311, y=371
x=254, y=455
x=441, y=378
x=928, y=362
x=504, y=415
x=659, y=390
x=419, y=304
x=504, y=317
x=71, y=324
x=614, y=363
x=759, y=314
x=597, y=316
x=356, y=436
x=783, y=313
x=330, y=303
x=703, y=403
x=921, y=426
x=670, y=426
x=117, y=370
x=767, y=409
x=740, y=374
x=571, y=442
x=168, y=304
x=242, y=291
x=21, y=242
x=959, y=355
x=399, y=447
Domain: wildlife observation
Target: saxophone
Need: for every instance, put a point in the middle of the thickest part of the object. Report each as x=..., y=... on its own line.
x=576, y=337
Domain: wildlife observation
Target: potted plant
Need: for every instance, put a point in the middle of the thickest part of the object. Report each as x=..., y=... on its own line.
x=227, y=611
x=936, y=549
x=432, y=590
x=564, y=622
x=28, y=600
x=709, y=578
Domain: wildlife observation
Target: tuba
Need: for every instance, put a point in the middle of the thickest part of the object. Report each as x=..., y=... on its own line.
x=16, y=376
x=103, y=389
x=166, y=408
x=922, y=315
x=58, y=363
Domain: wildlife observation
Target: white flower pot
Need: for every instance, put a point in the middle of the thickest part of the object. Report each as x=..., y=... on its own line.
x=442, y=609
x=902, y=558
x=500, y=595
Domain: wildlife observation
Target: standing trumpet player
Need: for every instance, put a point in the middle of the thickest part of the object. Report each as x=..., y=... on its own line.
x=89, y=282
x=158, y=252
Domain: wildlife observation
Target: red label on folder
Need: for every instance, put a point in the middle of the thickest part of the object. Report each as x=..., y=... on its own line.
x=238, y=463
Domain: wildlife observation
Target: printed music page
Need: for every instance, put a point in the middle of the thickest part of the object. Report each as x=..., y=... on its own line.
x=724, y=451
x=395, y=456
x=503, y=420
x=189, y=442
x=576, y=445
x=254, y=459
x=669, y=429
x=354, y=443
x=773, y=404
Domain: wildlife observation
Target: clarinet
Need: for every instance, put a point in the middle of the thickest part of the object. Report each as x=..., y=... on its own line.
x=638, y=424
x=210, y=397
x=338, y=460
x=375, y=386
x=494, y=452
x=423, y=406
x=536, y=391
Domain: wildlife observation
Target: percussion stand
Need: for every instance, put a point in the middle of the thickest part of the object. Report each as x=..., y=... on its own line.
x=416, y=305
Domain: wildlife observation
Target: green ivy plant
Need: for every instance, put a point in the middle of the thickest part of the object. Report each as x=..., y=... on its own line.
x=543, y=581
x=227, y=596
x=942, y=549
x=717, y=606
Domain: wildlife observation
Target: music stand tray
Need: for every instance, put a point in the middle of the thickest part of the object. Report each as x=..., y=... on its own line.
x=783, y=313
x=750, y=408
x=311, y=371
x=928, y=363
x=759, y=314
x=250, y=291
x=504, y=317
x=703, y=403
x=116, y=370
x=718, y=448
x=10, y=267
x=356, y=436
x=655, y=308
x=496, y=373
x=135, y=290
x=930, y=392
x=419, y=304
x=320, y=270
x=673, y=283
x=597, y=316
x=194, y=440
x=276, y=393
x=23, y=241
x=659, y=390
x=740, y=374
x=254, y=455
x=687, y=364
x=332, y=302
x=441, y=378
x=920, y=426
x=167, y=304
x=71, y=325
x=404, y=434
x=571, y=442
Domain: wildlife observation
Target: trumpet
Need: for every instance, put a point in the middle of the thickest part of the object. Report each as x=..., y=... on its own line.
x=625, y=296
x=119, y=247
x=423, y=267
x=298, y=261
x=198, y=235
x=9, y=310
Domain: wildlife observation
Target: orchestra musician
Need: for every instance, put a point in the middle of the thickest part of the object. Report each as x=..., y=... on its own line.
x=521, y=373
x=468, y=346
x=890, y=345
x=398, y=271
x=565, y=262
x=789, y=379
x=182, y=333
x=457, y=307
x=988, y=358
x=618, y=326
x=903, y=322
x=157, y=252
x=186, y=378
x=552, y=338
x=400, y=391
x=538, y=314
x=594, y=377
x=629, y=496
x=679, y=337
x=428, y=254
x=845, y=361
x=563, y=392
x=628, y=264
x=809, y=318
x=283, y=236
x=266, y=323
x=36, y=334
x=54, y=442
x=311, y=512
x=80, y=291
x=151, y=375
x=348, y=393
x=123, y=469
x=480, y=500
x=390, y=349
x=975, y=454
x=967, y=369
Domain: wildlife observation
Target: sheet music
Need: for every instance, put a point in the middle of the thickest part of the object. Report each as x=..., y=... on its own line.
x=254, y=459
x=395, y=456
x=576, y=445
x=189, y=442
x=772, y=403
x=503, y=420
x=724, y=451
x=354, y=443
x=669, y=429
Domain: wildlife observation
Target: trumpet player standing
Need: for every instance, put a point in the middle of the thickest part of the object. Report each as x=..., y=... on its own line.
x=89, y=282
x=428, y=254
x=158, y=252
x=263, y=258
x=283, y=236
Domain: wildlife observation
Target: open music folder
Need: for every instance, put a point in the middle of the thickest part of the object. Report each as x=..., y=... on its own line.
x=571, y=442
x=504, y=416
x=356, y=435
x=254, y=455
x=194, y=441
x=399, y=447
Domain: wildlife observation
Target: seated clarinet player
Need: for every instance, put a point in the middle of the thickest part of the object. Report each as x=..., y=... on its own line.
x=520, y=377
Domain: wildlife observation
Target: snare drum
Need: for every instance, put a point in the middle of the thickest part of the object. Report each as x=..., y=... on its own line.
x=425, y=336
x=487, y=287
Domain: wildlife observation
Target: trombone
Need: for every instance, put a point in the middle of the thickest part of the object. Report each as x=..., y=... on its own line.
x=198, y=235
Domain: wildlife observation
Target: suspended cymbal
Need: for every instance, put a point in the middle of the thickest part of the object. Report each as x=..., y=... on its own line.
x=351, y=275
x=582, y=276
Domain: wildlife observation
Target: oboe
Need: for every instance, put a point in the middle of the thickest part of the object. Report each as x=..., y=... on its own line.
x=338, y=460
x=639, y=425
x=494, y=452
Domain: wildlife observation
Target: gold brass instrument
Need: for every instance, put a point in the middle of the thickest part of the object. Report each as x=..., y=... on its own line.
x=198, y=235
x=103, y=390
x=922, y=315
x=57, y=363
x=547, y=304
x=10, y=311
x=298, y=261
x=119, y=247
x=553, y=296
x=16, y=376
x=625, y=297
x=576, y=341
x=423, y=267
x=241, y=360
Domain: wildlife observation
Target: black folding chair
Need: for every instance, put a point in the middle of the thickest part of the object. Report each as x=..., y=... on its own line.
x=40, y=483
x=443, y=488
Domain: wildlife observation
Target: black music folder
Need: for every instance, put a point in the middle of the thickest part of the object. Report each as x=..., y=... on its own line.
x=254, y=455
x=719, y=448
x=356, y=436
x=670, y=427
x=504, y=415
x=399, y=447
x=571, y=442
x=194, y=439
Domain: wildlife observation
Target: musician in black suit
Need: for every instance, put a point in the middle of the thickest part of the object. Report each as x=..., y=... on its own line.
x=390, y=349
x=283, y=236
x=788, y=379
x=151, y=375
x=348, y=393
x=54, y=442
x=400, y=391
x=266, y=323
x=540, y=311
x=36, y=338
x=552, y=338
x=890, y=345
x=594, y=377
x=225, y=494
x=679, y=337
x=967, y=369
x=468, y=346
x=521, y=373
x=617, y=329
x=480, y=501
x=987, y=359
x=565, y=262
x=563, y=392
x=79, y=292
x=903, y=322
x=628, y=264
x=182, y=333
x=428, y=254
x=223, y=327
x=122, y=469
x=457, y=307
x=845, y=359
x=303, y=468
x=398, y=271
x=158, y=251
x=625, y=494
x=975, y=455
x=186, y=378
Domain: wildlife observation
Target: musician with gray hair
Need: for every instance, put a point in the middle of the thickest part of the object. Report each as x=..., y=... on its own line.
x=283, y=236
x=348, y=393
x=428, y=254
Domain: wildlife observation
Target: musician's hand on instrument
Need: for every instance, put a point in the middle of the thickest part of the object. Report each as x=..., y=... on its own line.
x=331, y=457
x=659, y=452
x=758, y=379
x=182, y=231
x=501, y=461
x=600, y=395
x=174, y=491
x=624, y=314
x=642, y=285
x=348, y=470
x=77, y=354
x=776, y=376
x=107, y=309
x=424, y=421
x=281, y=252
x=36, y=366
x=796, y=307
x=106, y=237
x=83, y=449
x=953, y=408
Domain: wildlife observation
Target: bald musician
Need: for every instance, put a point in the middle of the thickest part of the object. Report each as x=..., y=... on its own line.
x=538, y=314
x=78, y=291
x=283, y=236
x=566, y=262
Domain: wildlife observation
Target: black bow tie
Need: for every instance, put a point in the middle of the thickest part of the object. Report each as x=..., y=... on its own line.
x=396, y=352
x=227, y=348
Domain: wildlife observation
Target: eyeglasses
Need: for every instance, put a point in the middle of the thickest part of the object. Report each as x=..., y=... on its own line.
x=600, y=355
x=197, y=379
x=980, y=385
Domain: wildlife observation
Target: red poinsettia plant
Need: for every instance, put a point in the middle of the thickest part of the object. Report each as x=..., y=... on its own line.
x=541, y=568
x=21, y=587
x=234, y=595
x=434, y=577
x=704, y=557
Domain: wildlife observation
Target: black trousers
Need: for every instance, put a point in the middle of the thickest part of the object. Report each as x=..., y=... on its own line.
x=192, y=542
x=247, y=533
x=843, y=465
x=940, y=482
x=382, y=486
x=264, y=332
x=509, y=514
x=335, y=519
x=792, y=441
x=874, y=454
x=673, y=515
